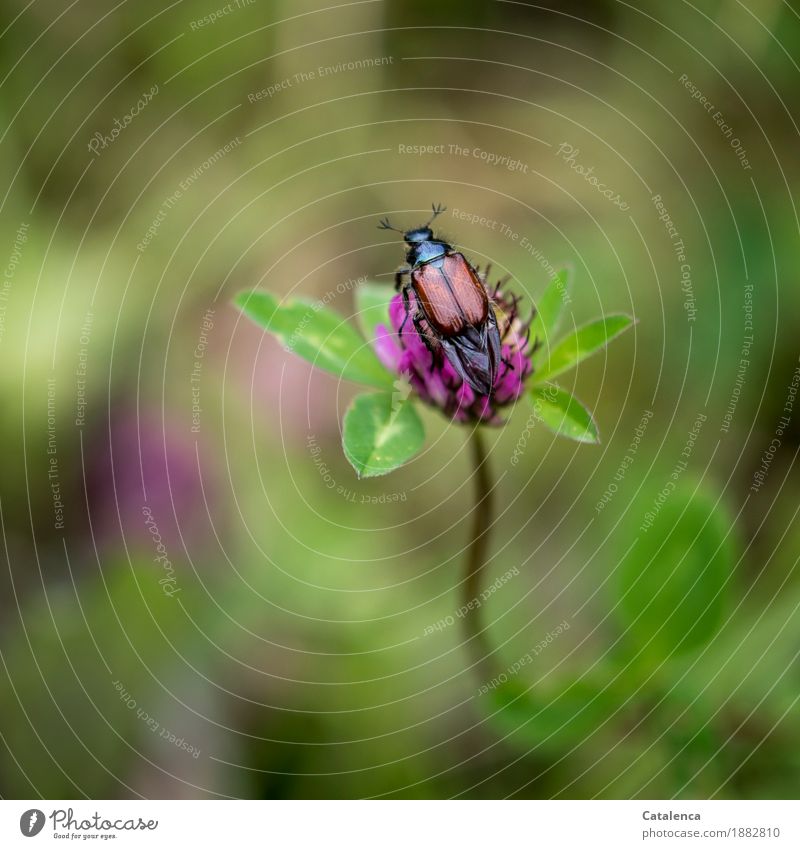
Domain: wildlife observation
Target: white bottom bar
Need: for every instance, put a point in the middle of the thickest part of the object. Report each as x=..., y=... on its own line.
x=417, y=824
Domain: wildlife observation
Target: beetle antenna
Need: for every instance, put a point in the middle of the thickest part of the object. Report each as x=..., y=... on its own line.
x=385, y=225
x=438, y=209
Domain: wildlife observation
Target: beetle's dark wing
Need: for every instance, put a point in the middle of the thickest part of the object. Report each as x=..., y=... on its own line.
x=473, y=357
x=493, y=338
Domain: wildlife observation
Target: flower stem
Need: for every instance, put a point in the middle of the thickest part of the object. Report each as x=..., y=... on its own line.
x=476, y=639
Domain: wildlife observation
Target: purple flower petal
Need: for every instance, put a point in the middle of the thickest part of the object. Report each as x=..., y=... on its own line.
x=387, y=347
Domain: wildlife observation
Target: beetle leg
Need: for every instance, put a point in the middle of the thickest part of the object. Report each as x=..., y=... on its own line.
x=422, y=333
x=417, y=317
x=399, y=275
x=404, y=287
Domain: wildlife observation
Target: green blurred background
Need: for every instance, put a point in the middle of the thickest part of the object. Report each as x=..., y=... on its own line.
x=289, y=655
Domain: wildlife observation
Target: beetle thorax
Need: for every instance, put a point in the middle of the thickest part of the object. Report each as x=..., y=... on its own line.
x=425, y=251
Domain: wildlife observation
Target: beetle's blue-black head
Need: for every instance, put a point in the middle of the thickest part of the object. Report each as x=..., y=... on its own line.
x=417, y=235
x=422, y=247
